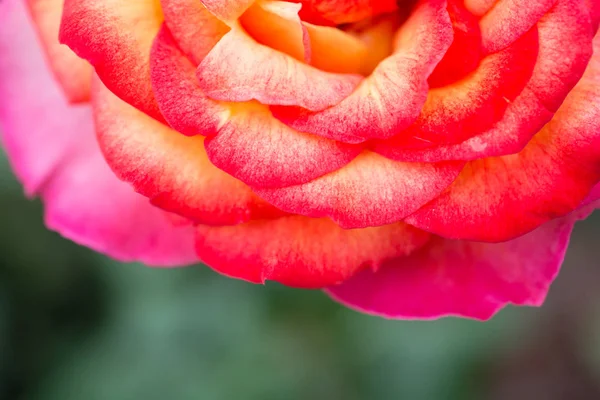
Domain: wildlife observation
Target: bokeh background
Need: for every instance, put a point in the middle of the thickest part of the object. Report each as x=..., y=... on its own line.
x=76, y=325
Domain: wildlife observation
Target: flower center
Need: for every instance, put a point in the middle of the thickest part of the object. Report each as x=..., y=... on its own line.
x=314, y=33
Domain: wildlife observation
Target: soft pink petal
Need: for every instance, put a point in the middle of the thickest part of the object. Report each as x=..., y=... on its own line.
x=594, y=196
x=460, y=278
x=52, y=148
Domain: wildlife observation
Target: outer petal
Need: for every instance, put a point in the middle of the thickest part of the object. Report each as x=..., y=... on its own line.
x=496, y=199
x=370, y=191
x=458, y=278
x=60, y=160
x=594, y=196
x=115, y=36
x=169, y=168
x=302, y=252
x=73, y=73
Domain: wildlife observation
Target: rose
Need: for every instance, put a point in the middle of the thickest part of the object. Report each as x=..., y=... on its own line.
x=418, y=160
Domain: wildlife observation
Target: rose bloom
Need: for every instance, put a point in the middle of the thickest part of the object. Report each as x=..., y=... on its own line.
x=415, y=159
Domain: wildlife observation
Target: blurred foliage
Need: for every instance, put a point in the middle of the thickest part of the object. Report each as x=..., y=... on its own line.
x=76, y=325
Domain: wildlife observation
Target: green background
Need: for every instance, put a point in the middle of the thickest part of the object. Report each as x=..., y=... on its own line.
x=76, y=325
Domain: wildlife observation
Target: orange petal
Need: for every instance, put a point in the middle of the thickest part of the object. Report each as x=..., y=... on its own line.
x=115, y=36
x=227, y=10
x=194, y=28
x=169, y=168
x=276, y=24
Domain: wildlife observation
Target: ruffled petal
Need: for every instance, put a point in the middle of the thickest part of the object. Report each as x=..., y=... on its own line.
x=180, y=99
x=391, y=98
x=264, y=153
x=465, y=53
x=499, y=198
x=508, y=20
x=59, y=159
x=169, y=168
x=115, y=36
x=240, y=69
x=370, y=191
x=565, y=48
x=474, y=104
x=302, y=252
x=459, y=278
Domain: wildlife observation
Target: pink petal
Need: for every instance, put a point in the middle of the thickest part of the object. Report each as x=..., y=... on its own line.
x=460, y=278
x=52, y=148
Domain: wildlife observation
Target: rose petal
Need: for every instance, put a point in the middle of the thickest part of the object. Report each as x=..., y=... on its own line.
x=391, y=98
x=240, y=69
x=276, y=24
x=227, y=10
x=73, y=73
x=115, y=37
x=479, y=7
x=594, y=196
x=370, y=191
x=343, y=11
x=179, y=97
x=169, y=168
x=264, y=153
x=459, y=278
x=60, y=160
x=465, y=53
x=472, y=105
x=565, y=48
x=499, y=198
x=508, y=20
x=195, y=29
x=372, y=42
x=301, y=252
x=594, y=8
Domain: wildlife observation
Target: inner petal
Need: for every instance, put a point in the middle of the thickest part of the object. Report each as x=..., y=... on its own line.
x=326, y=12
x=276, y=24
